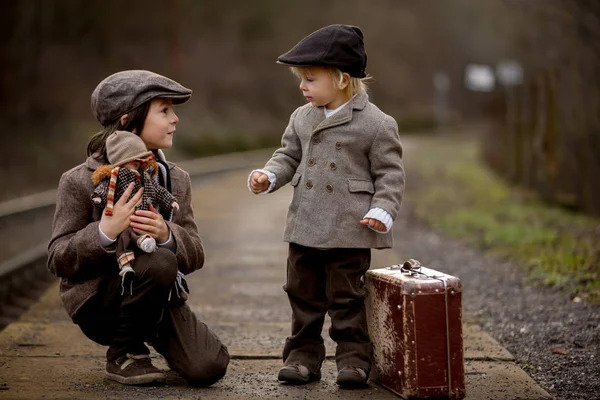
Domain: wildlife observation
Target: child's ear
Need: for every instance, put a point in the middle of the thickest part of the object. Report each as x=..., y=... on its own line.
x=344, y=82
x=124, y=119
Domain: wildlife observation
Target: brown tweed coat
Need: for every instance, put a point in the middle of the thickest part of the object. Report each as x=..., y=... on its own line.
x=74, y=251
x=340, y=168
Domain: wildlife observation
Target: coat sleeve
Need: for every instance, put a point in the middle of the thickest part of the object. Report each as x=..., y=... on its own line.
x=74, y=250
x=190, y=252
x=387, y=168
x=286, y=159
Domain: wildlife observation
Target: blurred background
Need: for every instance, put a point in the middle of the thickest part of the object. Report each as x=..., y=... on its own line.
x=526, y=73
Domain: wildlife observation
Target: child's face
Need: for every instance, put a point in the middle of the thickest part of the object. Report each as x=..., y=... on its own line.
x=159, y=125
x=135, y=165
x=319, y=89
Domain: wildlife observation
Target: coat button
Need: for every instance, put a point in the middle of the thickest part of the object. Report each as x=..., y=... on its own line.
x=329, y=188
x=338, y=145
x=311, y=162
x=309, y=185
x=332, y=165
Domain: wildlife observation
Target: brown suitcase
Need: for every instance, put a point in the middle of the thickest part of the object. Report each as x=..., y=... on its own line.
x=415, y=322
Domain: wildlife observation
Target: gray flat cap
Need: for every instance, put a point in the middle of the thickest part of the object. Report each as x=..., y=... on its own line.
x=124, y=91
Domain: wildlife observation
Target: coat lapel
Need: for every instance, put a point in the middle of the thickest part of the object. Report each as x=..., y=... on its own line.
x=315, y=116
x=344, y=115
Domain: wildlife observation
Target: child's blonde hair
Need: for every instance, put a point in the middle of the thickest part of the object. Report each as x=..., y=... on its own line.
x=355, y=86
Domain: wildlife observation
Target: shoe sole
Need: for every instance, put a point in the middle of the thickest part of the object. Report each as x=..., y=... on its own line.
x=352, y=382
x=352, y=385
x=293, y=378
x=156, y=378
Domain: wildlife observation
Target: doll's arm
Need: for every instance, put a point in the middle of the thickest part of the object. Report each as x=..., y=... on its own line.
x=100, y=193
x=164, y=199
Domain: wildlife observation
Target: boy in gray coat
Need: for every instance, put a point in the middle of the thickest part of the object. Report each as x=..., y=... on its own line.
x=343, y=157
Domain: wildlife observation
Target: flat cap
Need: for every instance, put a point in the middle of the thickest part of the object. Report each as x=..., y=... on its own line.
x=124, y=91
x=124, y=146
x=338, y=46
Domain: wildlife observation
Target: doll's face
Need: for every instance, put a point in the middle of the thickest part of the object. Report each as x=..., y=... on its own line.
x=134, y=165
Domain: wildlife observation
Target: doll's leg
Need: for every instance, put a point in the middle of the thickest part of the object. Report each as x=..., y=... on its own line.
x=125, y=255
x=146, y=243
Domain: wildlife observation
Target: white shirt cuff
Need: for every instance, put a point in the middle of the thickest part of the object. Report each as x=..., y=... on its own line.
x=169, y=244
x=272, y=179
x=105, y=241
x=382, y=216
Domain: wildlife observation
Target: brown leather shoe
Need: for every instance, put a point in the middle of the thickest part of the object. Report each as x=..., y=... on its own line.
x=352, y=378
x=134, y=369
x=297, y=375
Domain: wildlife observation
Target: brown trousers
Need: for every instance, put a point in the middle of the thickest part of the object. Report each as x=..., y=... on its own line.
x=327, y=281
x=124, y=323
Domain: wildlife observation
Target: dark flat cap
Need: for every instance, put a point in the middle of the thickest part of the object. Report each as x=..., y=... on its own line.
x=338, y=46
x=126, y=90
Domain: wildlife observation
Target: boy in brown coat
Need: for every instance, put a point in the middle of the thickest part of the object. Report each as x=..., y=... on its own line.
x=83, y=245
x=343, y=157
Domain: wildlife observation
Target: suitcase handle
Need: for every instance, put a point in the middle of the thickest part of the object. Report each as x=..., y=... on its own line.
x=410, y=266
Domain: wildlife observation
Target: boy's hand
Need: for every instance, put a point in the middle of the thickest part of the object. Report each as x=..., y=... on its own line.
x=150, y=222
x=259, y=182
x=373, y=223
x=113, y=225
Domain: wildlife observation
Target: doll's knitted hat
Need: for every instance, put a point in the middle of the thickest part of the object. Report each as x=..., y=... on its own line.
x=338, y=46
x=124, y=146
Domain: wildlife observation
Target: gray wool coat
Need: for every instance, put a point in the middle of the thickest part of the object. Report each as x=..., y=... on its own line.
x=74, y=251
x=340, y=168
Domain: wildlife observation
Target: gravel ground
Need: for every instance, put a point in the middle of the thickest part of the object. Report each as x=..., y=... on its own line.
x=554, y=339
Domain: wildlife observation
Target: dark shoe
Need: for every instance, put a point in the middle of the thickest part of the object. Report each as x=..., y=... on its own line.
x=134, y=370
x=352, y=378
x=297, y=374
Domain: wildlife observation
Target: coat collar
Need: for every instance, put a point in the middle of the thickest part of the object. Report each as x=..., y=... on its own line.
x=316, y=115
x=97, y=160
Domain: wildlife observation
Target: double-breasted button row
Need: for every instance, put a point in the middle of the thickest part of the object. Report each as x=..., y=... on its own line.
x=311, y=163
x=309, y=185
x=317, y=140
